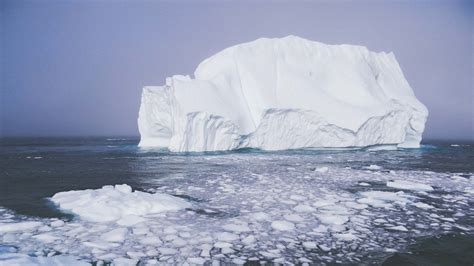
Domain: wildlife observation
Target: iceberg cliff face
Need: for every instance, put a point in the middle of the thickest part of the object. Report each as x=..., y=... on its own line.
x=284, y=94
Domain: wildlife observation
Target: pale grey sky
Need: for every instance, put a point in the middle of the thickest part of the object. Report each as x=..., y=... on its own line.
x=77, y=67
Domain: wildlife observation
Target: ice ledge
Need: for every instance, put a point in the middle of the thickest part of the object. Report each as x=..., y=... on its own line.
x=282, y=129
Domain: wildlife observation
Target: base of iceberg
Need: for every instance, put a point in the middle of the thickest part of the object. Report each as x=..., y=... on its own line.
x=286, y=93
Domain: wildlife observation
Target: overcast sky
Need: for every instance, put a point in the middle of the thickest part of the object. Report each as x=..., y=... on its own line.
x=77, y=67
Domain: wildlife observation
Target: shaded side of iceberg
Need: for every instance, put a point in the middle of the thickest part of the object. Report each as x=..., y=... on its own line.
x=284, y=93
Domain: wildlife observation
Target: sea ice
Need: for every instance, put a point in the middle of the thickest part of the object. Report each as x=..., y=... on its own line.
x=323, y=169
x=275, y=216
x=283, y=226
x=22, y=226
x=227, y=237
x=332, y=219
x=115, y=235
x=373, y=167
x=310, y=245
x=408, y=185
x=116, y=203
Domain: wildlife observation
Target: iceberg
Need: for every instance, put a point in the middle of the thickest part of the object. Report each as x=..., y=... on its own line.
x=284, y=93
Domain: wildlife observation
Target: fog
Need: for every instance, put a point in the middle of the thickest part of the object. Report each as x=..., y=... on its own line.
x=77, y=67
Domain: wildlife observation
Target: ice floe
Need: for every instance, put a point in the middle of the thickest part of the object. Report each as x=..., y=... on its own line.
x=252, y=209
x=408, y=185
x=116, y=203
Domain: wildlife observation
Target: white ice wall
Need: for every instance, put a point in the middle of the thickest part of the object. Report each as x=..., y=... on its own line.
x=282, y=94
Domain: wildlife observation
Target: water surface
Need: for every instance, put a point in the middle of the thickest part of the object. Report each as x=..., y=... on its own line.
x=231, y=187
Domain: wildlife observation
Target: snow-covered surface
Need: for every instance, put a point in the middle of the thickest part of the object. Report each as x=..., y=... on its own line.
x=16, y=259
x=284, y=93
x=116, y=203
x=407, y=185
x=254, y=207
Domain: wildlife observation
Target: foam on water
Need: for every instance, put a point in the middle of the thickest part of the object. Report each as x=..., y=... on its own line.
x=274, y=207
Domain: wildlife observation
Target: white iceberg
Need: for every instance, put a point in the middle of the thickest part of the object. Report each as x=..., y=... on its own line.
x=284, y=93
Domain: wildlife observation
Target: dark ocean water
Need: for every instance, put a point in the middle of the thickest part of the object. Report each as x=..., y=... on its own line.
x=34, y=169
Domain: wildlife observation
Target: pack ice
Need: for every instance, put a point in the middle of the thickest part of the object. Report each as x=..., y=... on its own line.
x=284, y=93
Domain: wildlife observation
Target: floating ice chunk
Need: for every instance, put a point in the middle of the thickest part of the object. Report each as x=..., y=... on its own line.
x=167, y=251
x=373, y=167
x=179, y=242
x=297, y=197
x=185, y=234
x=293, y=218
x=111, y=203
x=332, y=219
x=57, y=223
x=321, y=229
x=141, y=230
x=383, y=198
x=100, y=245
x=269, y=254
x=46, y=238
x=458, y=178
x=303, y=208
x=323, y=169
x=238, y=228
x=324, y=247
x=20, y=226
x=448, y=219
x=422, y=205
x=11, y=259
x=310, y=245
x=408, y=185
x=227, y=250
x=196, y=260
x=335, y=209
x=115, y=235
x=170, y=230
x=237, y=261
x=151, y=240
x=222, y=245
x=124, y=262
x=398, y=228
x=469, y=190
x=283, y=226
x=346, y=237
x=357, y=206
x=135, y=254
x=364, y=184
x=226, y=237
x=323, y=203
x=249, y=240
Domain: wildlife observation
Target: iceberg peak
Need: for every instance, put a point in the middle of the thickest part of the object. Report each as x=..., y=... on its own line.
x=284, y=93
